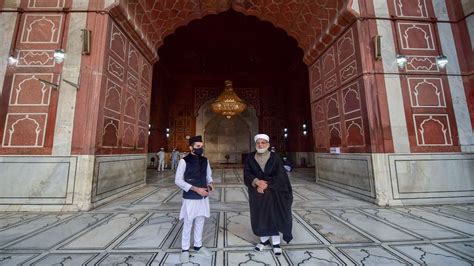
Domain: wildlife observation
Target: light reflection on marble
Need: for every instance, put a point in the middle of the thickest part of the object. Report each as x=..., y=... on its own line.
x=412, y=224
x=12, y=233
x=429, y=254
x=158, y=196
x=369, y=225
x=231, y=176
x=15, y=219
x=466, y=248
x=65, y=259
x=15, y=258
x=105, y=233
x=238, y=230
x=177, y=197
x=333, y=230
x=194, y=259
x=312, y=257
x=297, y=196
x=127, y=259
x=215, y=196
x=233, y=194
x=152, y=233
x=373, y=256
x=456, y=224
x=302, y=235
x=251, y=258
x=452, y=212
x=60, y=232
x=311, y=195
x=467, y=208
x=142, y=228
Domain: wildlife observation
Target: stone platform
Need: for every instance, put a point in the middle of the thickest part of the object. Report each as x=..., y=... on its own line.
x=329, y=228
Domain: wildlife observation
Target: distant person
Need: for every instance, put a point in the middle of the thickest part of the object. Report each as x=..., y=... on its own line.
x=287, y=164
x=161, y=159
x=174, y=159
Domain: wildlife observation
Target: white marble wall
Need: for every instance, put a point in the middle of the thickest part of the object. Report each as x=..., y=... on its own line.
x=116, y=174
x=355, y=6
x=7, y=26
x=350, y=173
x=67, y=183
x=418, y=177
x=399, y=179
x=37, y=180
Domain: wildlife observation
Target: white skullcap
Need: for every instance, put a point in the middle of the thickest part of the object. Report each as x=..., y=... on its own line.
x=261, y=136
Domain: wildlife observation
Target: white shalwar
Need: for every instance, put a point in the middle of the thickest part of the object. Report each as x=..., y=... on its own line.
x=161, y=160
x=192, y=209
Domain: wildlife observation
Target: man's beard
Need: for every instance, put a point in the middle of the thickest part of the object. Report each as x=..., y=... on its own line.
x=262, y=150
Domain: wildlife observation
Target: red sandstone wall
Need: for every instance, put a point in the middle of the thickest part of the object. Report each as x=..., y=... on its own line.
x=343, y=92
x=337, y=94
x=297, y=111
x=426, y=93
x=125, y=96
x=27, y=106
x=268, y=96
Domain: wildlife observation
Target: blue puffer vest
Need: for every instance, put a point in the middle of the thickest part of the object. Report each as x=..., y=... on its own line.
x=195, y=174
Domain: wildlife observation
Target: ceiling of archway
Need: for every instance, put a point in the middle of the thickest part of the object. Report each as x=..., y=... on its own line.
x=313, y=23
x=229, y=42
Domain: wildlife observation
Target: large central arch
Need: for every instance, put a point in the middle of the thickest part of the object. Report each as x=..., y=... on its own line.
x=314, y=24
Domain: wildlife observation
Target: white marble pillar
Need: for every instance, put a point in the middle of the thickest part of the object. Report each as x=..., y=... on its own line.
x=458, y=95
x=393, y=87
x=7, y=26
x=67, y=94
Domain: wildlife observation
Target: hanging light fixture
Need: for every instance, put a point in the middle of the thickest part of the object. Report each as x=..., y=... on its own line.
x=228, y=103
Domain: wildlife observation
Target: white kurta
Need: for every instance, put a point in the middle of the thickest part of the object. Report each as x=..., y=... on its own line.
x=192, y=208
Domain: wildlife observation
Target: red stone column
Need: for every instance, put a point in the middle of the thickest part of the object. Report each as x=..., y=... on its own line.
x=81, y=125
x=399, y=128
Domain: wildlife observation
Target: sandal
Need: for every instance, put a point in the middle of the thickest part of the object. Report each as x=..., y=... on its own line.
x=277, y=250
x=260, y=246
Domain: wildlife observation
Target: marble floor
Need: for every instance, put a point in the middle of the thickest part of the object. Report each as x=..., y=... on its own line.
x=329, y=228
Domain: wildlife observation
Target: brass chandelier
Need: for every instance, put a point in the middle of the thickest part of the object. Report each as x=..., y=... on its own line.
x=228, y=103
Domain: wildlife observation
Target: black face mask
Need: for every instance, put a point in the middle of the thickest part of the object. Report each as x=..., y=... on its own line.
x=198, y=151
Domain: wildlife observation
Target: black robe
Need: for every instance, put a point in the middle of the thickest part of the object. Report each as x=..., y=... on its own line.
x=270, y=212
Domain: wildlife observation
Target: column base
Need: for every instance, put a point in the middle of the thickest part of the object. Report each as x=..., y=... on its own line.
x=400, y=179
x=67, y=183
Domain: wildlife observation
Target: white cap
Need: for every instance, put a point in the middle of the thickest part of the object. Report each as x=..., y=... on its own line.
x=261, y=136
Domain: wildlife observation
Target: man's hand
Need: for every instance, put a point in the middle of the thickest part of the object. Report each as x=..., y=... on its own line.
x=200, y=191
x=210, y=187
x=262, y=184
x=260, y=190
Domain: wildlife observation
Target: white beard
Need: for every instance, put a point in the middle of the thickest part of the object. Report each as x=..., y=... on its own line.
x=262, y=150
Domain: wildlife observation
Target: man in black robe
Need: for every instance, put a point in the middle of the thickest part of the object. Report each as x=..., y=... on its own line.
x=270, y=195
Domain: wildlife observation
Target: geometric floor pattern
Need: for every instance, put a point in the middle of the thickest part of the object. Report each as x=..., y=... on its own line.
x=329, y=228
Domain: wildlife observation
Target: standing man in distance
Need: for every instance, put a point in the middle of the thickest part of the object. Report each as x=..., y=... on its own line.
x=174, y=159
x=161, y=159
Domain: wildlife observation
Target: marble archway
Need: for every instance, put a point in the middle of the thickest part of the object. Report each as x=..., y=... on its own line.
x=226, y=136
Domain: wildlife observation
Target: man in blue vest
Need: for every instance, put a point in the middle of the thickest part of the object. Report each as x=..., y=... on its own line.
x=194, y=177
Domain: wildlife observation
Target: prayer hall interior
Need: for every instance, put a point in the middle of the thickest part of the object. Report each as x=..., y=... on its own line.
x=370, y=101
x=374, y=96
